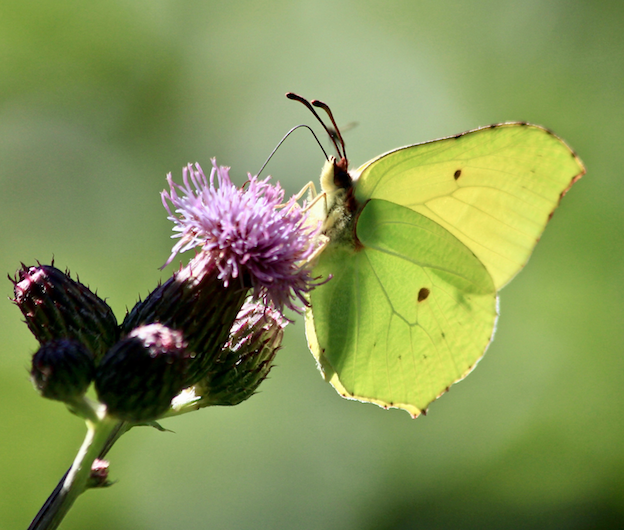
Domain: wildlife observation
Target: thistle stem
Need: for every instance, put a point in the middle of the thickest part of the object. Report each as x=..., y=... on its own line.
x=100, y=437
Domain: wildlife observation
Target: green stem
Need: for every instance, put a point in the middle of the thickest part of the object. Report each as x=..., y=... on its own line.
x=85, y=408
x=95, y=440
x=100, y=436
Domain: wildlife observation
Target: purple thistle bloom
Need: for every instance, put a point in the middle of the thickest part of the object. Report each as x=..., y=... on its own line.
x=248, y=231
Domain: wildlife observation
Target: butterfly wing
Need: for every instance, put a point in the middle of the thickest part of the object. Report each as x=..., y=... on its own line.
x=494, y=188
x=405, y=315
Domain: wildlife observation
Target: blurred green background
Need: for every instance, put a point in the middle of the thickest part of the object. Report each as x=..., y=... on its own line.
x=99, y=100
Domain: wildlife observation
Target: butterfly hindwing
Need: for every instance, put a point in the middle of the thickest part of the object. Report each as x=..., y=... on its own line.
x=414, y=310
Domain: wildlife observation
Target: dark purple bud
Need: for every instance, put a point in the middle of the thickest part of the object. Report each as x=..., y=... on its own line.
x=57, y=307
x=197, y=303
x=62, y=370
x=142, y=373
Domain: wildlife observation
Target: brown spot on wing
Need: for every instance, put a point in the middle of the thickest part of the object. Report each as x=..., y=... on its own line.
x=457, y=174
x=423, y=294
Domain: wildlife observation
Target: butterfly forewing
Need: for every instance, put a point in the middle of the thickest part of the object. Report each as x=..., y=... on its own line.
x=493, y=188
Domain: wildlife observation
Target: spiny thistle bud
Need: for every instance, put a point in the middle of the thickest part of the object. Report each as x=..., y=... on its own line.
x=246, y=359
x=197, y=303
x=142, y=373
x=62, y=370
x=57, y=307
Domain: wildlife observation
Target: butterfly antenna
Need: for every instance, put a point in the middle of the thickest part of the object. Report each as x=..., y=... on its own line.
x=284, y=138
x=297, y=97
x=325, y=107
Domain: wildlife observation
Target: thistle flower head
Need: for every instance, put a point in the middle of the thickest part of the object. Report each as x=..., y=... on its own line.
x=248, y=231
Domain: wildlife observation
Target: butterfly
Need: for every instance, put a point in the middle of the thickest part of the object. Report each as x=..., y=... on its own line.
x=419, y=242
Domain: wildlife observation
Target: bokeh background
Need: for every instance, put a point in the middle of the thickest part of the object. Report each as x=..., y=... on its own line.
x=99, y=100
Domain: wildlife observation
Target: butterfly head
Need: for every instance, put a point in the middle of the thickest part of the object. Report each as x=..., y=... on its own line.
x=335, y=175
x=340, y=206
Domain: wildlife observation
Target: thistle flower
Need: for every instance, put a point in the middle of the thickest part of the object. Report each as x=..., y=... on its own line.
x=252, y=236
